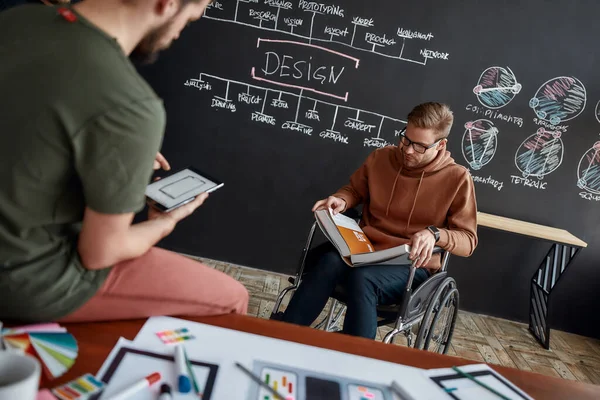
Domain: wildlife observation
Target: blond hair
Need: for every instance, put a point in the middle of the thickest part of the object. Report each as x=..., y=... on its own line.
x=436, y=116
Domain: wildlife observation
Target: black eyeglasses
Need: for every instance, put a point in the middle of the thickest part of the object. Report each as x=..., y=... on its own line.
x=419, y=147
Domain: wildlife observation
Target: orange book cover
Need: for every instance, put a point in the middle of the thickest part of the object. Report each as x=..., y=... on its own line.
x=356, y=241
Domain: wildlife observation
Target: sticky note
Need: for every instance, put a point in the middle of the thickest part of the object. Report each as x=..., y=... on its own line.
x=79, y=388
x=175, y=336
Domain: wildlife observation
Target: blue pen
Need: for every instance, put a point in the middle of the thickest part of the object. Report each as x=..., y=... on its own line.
x=183, y=380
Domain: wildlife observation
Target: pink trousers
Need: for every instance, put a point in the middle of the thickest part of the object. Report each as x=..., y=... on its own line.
x=163, y=283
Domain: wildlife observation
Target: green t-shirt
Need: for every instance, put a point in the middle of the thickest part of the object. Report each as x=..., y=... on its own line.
x=78, y=127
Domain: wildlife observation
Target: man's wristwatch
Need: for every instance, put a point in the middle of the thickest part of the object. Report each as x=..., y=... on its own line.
x=435, y=232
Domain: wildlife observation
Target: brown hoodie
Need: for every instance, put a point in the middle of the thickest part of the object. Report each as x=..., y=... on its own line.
x=400, y=201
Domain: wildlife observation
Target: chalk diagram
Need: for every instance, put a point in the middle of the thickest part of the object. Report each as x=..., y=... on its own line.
x=302, y=79
x=540, y=154
x=497, y=87
x=479, y=143
x=559, y=99
x=588, y=170
x=598, y=111
x=268, y=19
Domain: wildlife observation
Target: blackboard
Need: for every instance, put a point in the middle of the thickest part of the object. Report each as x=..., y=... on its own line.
x=283, y=100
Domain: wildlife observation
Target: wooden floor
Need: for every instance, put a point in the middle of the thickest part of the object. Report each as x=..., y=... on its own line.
x=477, y=337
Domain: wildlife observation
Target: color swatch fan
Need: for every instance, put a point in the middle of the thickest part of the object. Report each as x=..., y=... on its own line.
x=51, y=344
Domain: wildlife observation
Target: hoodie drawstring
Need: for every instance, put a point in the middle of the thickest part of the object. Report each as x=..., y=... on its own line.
x=392, y=194
x=415, y=201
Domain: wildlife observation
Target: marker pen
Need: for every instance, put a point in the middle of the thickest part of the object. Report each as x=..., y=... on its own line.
x=165, y=392
x=136, y=387
x=183, y=380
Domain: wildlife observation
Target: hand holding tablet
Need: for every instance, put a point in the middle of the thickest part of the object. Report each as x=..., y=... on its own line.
x=180, y=188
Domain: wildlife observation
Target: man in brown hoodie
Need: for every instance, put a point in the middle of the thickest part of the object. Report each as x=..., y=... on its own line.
x=413, y=193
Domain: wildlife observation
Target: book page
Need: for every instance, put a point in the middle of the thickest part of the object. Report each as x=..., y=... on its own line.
x=355, y=238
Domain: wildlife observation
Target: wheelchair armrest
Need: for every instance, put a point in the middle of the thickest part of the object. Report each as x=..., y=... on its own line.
x=437, y=249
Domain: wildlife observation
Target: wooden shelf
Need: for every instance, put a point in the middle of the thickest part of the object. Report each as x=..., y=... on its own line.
x=529, y=229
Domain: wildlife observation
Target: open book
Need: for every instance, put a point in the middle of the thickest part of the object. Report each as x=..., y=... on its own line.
x=352, y=243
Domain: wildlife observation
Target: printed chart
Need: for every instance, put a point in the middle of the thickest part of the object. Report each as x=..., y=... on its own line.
x=299, y=384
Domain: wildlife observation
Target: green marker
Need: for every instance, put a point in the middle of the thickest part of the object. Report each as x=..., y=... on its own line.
x=189, y=367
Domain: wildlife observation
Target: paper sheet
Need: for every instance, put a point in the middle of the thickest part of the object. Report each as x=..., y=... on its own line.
x=128, y=363
x=224, y=347
x=461, y=388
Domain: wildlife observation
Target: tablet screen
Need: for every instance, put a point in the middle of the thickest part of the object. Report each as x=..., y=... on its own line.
x=180, y=186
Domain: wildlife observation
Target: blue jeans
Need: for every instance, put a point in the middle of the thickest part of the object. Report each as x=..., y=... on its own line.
x=366, y=287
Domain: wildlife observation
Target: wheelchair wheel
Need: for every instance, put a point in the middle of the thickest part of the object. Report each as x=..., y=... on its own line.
x=437, y=326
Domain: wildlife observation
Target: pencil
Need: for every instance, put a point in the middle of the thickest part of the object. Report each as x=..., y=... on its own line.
x=189, y=367
x=472, y=378
x=260, y=382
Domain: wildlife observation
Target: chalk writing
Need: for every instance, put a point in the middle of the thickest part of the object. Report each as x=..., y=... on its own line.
x=493, y=114
x=293, y=22
x=434, y=54
x=383, y=40
x=222, y=103
x=526, y=182
x=215, y=5
x=366, y=22
x=198, y=84
x=286, y=5
x=541, y=122
x=263, y=15
x=375, y=142
x=498, y=185
x=321, y=8
x=333, y=135
x=589, y=196
x=278, y=103
x=331, y=34
x=358, y=125
x=504, y=117
x=295, y=126
x=336, y=31
x=409, y=34
x=312, y=114
x=260, y=117
x=249, y=99
x=354, y=123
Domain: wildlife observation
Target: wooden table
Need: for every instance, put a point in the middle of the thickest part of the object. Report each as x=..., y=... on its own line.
x=97, y=339
x=565, y=247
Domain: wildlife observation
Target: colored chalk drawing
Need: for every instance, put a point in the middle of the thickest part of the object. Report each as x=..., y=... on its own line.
x=497, y=87
x=540, y=154
x=479, y=142
x=559, y=99
x=588, y=170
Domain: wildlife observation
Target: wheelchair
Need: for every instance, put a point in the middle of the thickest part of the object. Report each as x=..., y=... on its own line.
x=431, y=309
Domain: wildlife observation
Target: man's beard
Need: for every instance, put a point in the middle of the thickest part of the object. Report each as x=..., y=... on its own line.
x=147, y=51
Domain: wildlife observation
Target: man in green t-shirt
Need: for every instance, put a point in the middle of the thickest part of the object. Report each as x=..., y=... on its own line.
x=80, y=131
